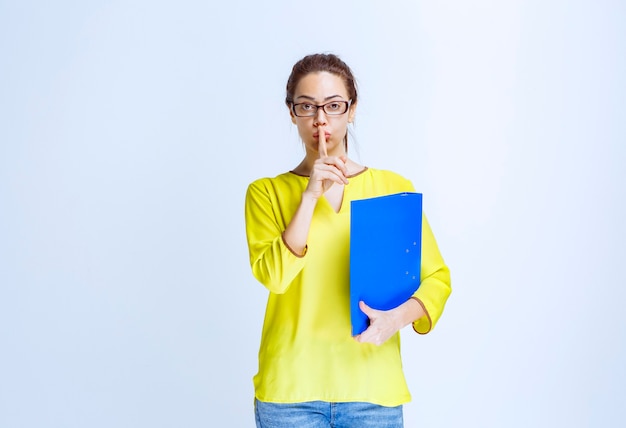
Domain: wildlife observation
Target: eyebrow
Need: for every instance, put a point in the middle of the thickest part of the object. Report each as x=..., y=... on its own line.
x=313, y=99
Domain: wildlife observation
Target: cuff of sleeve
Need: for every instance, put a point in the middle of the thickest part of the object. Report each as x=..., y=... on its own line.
x=424, y=324
x=306, y=247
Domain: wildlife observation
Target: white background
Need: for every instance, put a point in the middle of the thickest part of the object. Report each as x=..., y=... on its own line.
x=129, y=131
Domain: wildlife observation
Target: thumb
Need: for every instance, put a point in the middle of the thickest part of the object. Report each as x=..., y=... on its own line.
x=366, y=309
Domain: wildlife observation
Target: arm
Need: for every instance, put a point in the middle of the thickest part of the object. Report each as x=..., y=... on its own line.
x=424, y=308
x=326, y=171
x=273, y=263
x=435, y=285
x=277, y=251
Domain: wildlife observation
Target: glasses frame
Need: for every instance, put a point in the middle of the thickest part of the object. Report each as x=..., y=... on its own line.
x=322, y=106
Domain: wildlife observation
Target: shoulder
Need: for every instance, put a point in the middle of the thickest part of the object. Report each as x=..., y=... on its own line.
x=284, y=179
x=390, y=177
x=283, y=187
x=377, y=182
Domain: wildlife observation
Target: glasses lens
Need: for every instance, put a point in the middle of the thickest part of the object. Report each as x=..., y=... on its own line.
x=336, y=107
x=304, y=109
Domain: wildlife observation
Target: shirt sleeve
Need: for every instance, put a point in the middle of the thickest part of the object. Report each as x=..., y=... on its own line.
x=435, y=284
x=272, y=261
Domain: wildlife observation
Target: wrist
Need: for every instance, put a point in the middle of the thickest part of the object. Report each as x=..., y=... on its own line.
x=309, y=197
x=412, y=311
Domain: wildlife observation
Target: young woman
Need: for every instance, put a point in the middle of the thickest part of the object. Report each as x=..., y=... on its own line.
x=312, y=372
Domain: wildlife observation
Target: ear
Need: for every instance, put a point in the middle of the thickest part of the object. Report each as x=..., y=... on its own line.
x=293, y=116
x=351, y=113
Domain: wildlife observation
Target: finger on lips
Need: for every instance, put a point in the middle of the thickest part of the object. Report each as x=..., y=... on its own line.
x=338, y=163
x=322, y=141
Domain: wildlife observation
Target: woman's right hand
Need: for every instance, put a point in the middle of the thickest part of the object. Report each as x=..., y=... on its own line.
x=327, y=170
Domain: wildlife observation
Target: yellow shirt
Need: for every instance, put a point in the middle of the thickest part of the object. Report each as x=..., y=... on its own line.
x=307, y=352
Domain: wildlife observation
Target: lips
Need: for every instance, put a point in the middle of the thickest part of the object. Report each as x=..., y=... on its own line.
x=317, y=135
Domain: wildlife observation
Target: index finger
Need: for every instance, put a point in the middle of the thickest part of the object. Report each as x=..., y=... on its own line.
x=322, y=144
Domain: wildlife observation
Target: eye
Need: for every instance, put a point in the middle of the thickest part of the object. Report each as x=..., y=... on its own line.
x=307, y=107
x=334, y=106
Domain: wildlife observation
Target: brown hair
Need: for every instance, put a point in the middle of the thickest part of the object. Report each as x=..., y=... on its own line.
x=316, y=63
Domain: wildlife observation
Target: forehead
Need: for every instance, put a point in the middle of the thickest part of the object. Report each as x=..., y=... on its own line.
x=321, y=85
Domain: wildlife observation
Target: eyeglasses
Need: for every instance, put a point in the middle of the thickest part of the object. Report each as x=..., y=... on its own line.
x=333, y=108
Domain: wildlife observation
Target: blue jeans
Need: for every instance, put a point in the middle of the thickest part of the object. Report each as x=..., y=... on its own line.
x=321, y=414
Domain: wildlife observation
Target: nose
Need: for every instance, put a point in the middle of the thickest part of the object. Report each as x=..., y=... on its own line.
x=320, y=117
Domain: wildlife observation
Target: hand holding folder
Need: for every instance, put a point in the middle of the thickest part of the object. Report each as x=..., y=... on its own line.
x=385, y=253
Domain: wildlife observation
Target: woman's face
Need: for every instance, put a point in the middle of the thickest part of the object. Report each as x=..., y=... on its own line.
x=319, y=89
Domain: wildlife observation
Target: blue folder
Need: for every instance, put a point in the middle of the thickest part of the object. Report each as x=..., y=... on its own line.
x=385, y=253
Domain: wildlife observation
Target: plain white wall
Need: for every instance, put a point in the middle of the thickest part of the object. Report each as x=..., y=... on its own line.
x=129, y=131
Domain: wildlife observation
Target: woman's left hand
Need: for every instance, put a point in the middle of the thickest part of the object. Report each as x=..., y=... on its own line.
x=384, y=324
